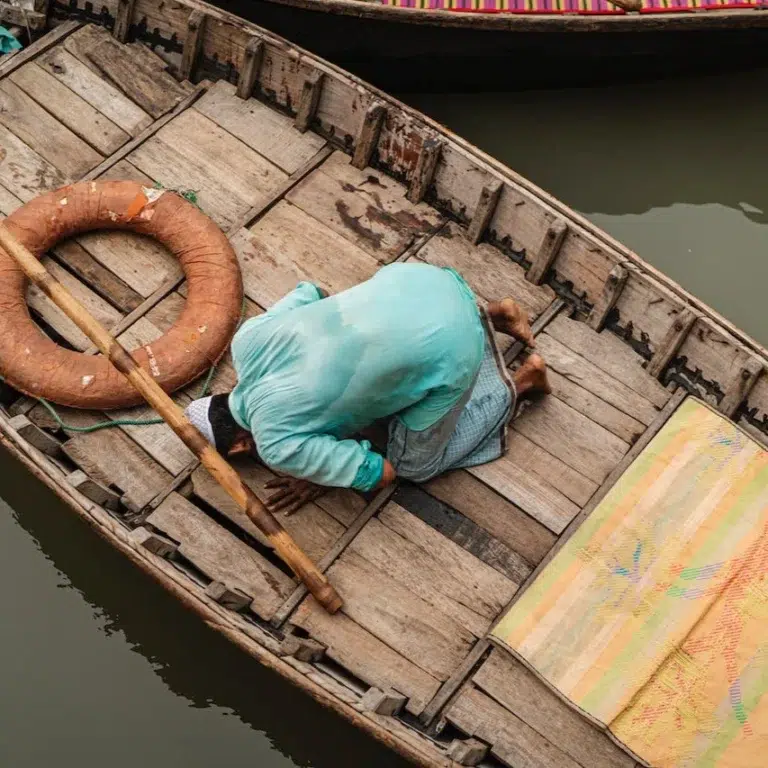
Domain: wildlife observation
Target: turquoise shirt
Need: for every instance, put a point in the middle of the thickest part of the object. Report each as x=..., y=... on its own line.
x=313, y=371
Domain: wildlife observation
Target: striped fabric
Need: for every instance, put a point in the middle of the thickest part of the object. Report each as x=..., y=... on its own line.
x=570, y=6
x=653, y=618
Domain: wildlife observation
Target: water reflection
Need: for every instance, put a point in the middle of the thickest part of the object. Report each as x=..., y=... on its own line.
x=103, y=667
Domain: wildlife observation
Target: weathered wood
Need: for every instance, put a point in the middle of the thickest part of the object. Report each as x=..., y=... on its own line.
x=252, y=215
x=249, y=74
x=537, y=326
x=8, y=202
x=429, y=155
x=359, y=651
x=93, y=490
x=614, y=285
x=387, y=703
x=368, y=136
x=310, y=98
x=489, y=273
x=671, y=342
x=220, y=555
x=303, y=649
x=440, y=572
x=192, y=152
x=153, y=541
x=527, y=490
x=568, y=435
x=595, y=409
x=117, y=159
x=486, y=205
x=113, y=459
x=547, y=253
x=740, y=385
x=511, y=740
x=15, y=17
x=330, y=556
x=263, y=129
x=57, y=319
x=156, y=92
x=366, y=207
x=314, y=530
x=491, y=511
x=462, y=531
x=512, y=685
x=192, y=42
x=39, y=46
x=100, y=94
x=70, y=109
x=230, y=597
x=287, y=246
x=588, y=376
x=467, y=751
x=35, y=436
x=39, y=130
x=138, y=262
x=611, y=355
x=382, y=606
x=708, y=361
x=123, y=19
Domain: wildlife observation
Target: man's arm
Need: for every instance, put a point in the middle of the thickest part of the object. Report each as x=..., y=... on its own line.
x=303, y=293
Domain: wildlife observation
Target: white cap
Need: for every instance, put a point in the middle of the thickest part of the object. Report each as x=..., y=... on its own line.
x=197, y=413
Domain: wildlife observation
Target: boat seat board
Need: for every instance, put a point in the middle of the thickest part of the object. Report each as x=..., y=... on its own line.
x=558, y=7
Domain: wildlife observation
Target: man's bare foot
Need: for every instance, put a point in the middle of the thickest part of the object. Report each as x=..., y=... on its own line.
x=531, y=377
x=509, y=317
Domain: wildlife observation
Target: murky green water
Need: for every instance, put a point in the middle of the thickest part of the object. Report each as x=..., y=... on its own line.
x=102, y=668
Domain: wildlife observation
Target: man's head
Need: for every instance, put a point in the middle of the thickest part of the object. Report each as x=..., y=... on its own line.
x=211, y=415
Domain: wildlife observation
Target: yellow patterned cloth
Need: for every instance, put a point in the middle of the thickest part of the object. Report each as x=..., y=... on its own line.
x=653, y=618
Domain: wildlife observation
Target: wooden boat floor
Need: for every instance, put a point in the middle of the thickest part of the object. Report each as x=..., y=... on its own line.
x=424, y=572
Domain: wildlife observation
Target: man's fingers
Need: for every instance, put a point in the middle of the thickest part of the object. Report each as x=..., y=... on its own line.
x=278, y=482
x=295, y=507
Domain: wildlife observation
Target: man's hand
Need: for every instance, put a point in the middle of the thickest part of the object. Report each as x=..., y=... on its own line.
x=292, y=494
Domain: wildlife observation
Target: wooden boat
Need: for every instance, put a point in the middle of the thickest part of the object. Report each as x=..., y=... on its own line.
x=315, y=175
x=474, y=45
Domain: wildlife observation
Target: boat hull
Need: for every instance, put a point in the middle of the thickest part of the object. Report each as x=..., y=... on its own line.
x=399, y=50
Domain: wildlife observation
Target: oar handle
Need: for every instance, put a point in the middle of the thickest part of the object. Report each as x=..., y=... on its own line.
x=209, y=457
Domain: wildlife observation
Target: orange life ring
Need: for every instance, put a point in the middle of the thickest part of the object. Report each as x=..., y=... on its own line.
x=35, y=365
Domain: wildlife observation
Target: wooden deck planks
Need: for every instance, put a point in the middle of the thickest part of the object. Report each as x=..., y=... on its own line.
x=365, y=207
x=24, y=172
x=313, y=528
x=287, y=246
x=610, y=354
x=104, y=312
x=70, y=109
x=517, y=689
x=96, y=91
x=366, y=656
x=490, y=274
x=568, y=435
x=435, y=641
x=8, y=202
x=44, y=133
x=220, y=555
x=263, y=129
x=512, y=741
x=439, y=571
x=494, y=513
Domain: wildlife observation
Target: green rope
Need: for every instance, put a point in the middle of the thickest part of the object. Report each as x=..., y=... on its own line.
x=190, y=195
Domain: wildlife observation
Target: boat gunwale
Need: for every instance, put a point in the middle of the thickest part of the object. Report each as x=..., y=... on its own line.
x=683, y=20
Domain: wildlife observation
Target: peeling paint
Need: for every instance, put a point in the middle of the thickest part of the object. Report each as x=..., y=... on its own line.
x=153, y=366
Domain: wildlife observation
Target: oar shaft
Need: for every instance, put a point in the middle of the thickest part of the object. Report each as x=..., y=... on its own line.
x=211, y=459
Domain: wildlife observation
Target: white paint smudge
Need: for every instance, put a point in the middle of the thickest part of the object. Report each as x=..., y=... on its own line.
x=202, y=328
x=112, y=215
x=152, y=194
x=87, y=380
x=63, y=201
x=153, y=366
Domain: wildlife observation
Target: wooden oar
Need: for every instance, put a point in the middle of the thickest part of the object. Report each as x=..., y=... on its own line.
x=211, y=459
